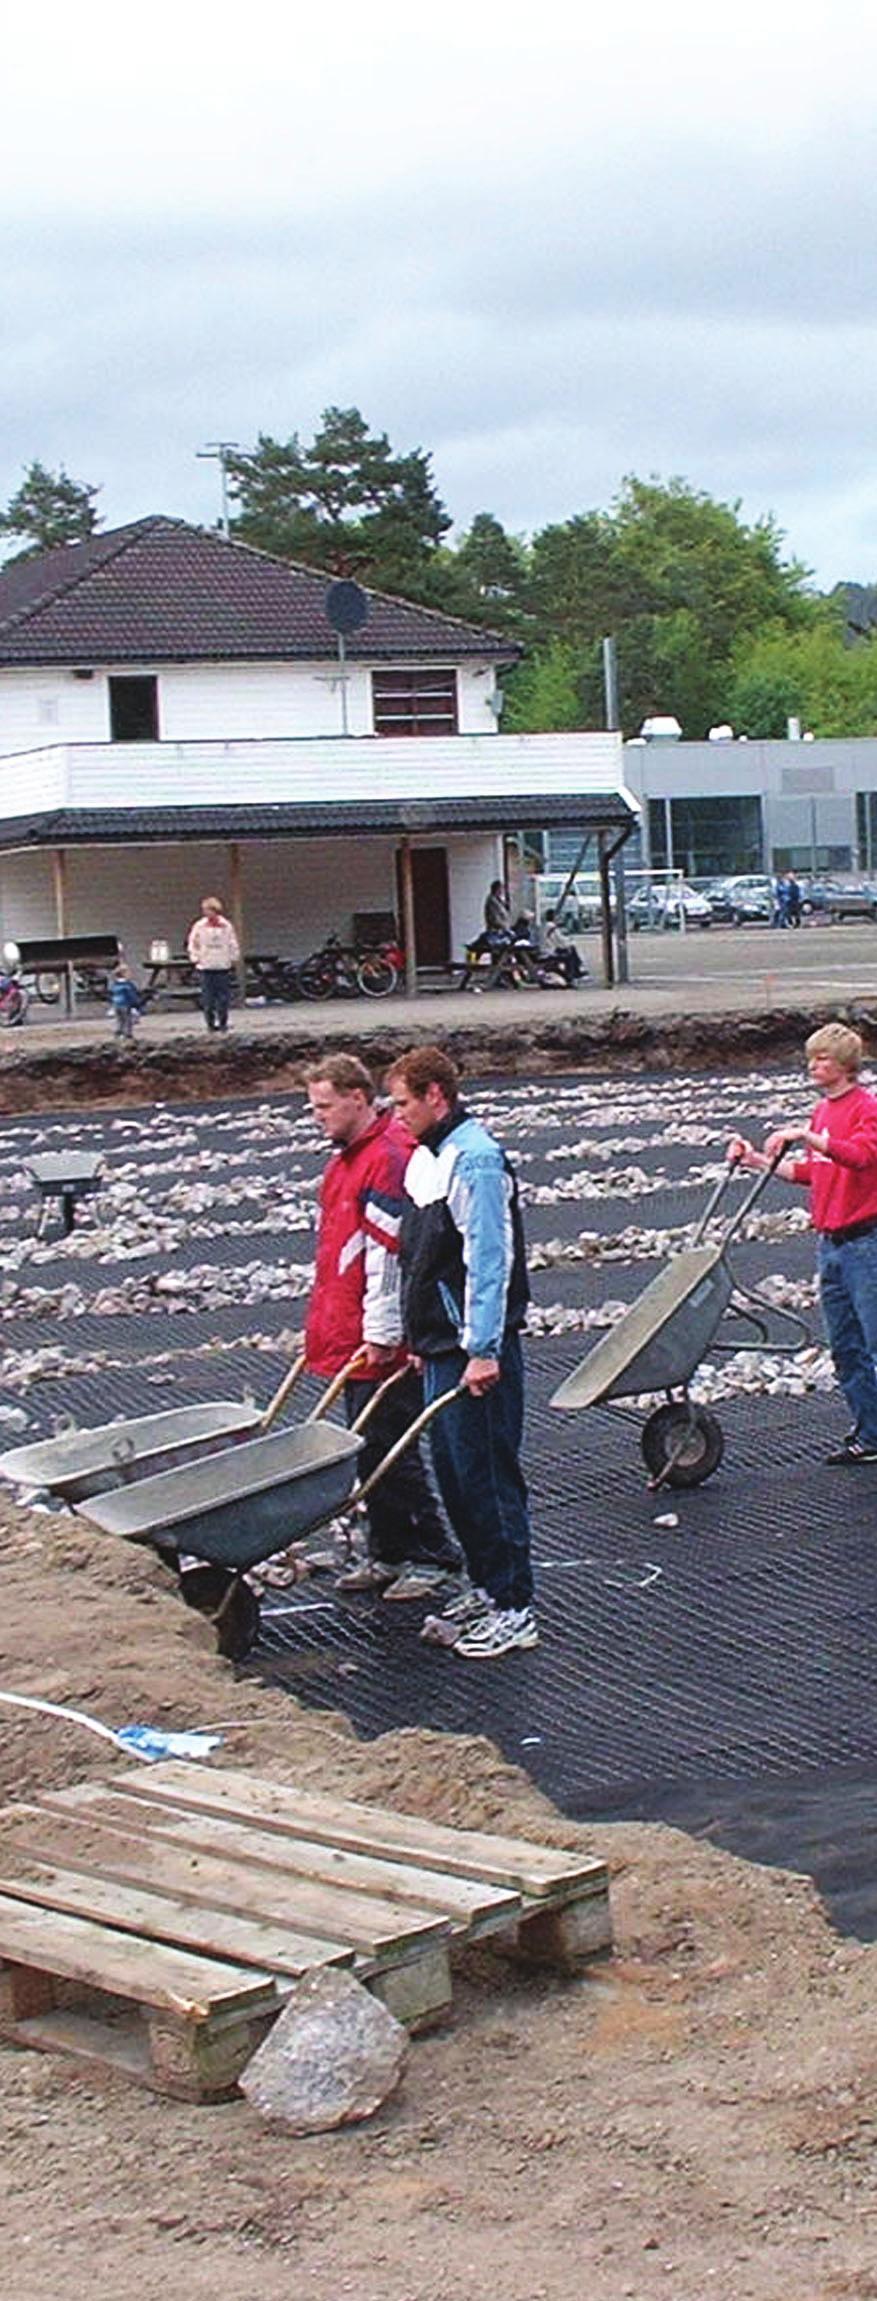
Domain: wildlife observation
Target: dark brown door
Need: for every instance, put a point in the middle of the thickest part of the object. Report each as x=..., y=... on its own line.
x=432, y=905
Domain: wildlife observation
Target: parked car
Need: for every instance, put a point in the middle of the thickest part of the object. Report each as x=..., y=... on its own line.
x=855, y=900
x=665, y=906
x=739, y=901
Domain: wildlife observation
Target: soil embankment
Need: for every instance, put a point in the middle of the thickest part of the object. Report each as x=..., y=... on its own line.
x=176, y=1069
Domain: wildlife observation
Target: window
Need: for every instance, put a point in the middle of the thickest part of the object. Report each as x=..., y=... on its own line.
x=134, y=710
x=415, y=702
x=712, y=837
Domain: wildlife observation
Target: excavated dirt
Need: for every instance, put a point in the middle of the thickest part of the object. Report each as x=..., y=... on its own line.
x=698, y=2116
x=188, y=1069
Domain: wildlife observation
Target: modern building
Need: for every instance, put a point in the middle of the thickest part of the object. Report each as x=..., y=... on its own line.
x=728, y=806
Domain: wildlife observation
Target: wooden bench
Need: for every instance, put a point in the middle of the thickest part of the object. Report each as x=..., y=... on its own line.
x=280, y=1880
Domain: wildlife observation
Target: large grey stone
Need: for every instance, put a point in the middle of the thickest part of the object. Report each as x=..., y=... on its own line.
x=332, y=2057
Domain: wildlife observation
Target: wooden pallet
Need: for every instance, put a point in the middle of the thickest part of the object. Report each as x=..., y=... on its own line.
x=249, y=1884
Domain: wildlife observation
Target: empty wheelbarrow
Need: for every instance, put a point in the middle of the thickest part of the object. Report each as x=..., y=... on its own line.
x=660, y=1341
x=230, y=1511
x=84, y=1462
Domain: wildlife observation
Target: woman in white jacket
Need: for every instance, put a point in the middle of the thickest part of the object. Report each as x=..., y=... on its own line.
x=214, y=949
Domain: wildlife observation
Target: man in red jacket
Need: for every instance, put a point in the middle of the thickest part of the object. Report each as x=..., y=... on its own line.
x=839, y=1166
x=355, y=1301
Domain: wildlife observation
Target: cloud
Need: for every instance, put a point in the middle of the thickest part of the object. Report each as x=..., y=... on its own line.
x=550, y=252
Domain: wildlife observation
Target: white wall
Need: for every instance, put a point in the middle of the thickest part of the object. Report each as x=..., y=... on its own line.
x=213, y=701
x=294, y=891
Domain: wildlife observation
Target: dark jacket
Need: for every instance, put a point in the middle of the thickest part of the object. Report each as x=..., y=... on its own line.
x=464, y=1268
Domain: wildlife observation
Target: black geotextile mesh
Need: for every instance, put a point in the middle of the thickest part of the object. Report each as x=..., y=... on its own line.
x=722, y=1669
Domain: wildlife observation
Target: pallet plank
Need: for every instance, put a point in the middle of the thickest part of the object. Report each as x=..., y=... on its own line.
x=76, y=1842
x=467, y=1903
x=211, y=1933
x=79, y=1951
x=512, y=1862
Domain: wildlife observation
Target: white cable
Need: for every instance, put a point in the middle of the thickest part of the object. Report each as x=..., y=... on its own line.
x=74, y=1717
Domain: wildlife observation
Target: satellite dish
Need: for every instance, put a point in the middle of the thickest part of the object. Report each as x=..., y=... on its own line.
x=346, y=607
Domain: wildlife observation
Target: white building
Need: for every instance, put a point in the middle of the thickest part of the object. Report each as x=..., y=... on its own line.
x=175, y=719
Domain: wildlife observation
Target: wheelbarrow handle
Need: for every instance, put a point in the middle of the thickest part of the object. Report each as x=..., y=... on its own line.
x=415, y=1430
x=728, y=1171
x=336, y=1385
x=755, y=1192
x=374, y=1401
x=283, y=1392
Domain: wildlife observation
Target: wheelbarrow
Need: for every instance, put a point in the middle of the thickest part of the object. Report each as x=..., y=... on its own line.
x=85, y=1462
x=230, y=1511
x=659, y=1342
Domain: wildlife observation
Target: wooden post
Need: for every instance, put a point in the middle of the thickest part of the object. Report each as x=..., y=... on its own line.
x=236, y=893
x=606, y=911
x=59, y=890
x=406, y=881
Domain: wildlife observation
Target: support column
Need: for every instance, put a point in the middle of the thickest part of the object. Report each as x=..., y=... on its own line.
x=59, y=891
x=236, y=894
x=604, y=853
x=406, y=883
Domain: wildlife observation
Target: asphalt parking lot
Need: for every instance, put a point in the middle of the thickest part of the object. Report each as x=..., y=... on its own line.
x=720, y=1670
x=748, y=969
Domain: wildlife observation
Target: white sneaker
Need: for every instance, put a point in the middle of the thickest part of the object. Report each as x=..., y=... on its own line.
x=460, y=1613
x=499, y=1631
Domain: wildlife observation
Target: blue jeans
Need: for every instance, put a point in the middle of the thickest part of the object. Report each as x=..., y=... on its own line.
x=848, y=1283
x=215, y=996
x=476, y=1446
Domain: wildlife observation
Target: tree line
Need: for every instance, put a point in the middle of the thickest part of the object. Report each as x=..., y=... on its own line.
x=713, y=624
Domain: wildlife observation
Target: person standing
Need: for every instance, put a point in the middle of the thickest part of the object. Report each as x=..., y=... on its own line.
x=464, y=1300
x=214, y=949
x=356, y=1301
x=793, y=900
x=835, y=1157
x=126, y=1000
x=497, y=912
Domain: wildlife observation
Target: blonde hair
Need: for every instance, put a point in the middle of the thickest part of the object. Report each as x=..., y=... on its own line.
x=837, y=1040
x=343, y=1072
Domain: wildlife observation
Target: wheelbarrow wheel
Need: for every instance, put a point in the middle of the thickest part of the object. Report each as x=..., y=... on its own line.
x=229, y=1604
x=689, y=1438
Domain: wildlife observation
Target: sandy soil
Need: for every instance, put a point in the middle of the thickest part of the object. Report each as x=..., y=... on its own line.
x=696, y=2117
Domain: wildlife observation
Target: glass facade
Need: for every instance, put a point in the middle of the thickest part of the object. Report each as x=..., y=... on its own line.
x=711, y=838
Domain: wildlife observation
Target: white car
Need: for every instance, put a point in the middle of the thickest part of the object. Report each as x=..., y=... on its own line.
x=667, y=906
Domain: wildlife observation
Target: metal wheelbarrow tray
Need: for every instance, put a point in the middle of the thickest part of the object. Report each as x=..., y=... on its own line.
x=236, y=1508
x=659, y=1343
x=84, y=1462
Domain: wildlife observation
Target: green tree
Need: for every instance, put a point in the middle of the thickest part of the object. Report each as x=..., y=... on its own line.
x=49, y=509
x=679, y=579
x=346, y=502
x=546, y=692
x=811, y=675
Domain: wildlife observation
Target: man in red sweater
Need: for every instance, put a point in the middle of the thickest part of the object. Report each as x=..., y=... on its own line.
x=356, y=1301
x=839, y=1166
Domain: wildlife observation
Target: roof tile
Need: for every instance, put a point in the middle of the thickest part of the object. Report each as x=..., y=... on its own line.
x=163, y=591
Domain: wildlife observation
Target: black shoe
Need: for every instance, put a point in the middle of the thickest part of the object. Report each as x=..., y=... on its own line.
x=851, y=1451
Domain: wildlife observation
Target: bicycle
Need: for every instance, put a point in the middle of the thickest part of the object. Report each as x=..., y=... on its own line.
x=338, y=971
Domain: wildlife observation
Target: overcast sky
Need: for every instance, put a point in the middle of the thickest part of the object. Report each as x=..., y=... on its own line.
x=549, y=252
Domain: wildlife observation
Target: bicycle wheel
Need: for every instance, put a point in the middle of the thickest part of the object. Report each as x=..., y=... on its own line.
x=376, y=976
x=316, y=976
x=48, y=988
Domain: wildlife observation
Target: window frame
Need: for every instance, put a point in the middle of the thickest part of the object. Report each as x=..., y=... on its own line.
x=420, y=686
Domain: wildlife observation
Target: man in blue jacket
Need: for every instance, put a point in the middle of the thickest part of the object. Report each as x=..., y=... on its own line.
x=464, y=1300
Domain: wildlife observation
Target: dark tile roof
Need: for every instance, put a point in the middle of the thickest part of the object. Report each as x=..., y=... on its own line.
x=117, y=826
x=162, y=591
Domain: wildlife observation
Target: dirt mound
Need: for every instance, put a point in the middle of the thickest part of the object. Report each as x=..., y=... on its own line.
x=697, y=2116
